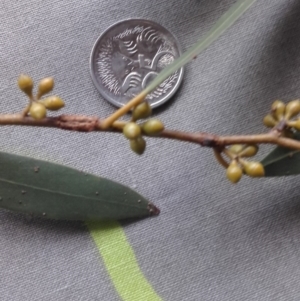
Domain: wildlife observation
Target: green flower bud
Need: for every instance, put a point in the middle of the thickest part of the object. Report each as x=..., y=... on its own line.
x=141, y=111
x=153, y=127
x=53, y=103
x=278, y=109
x=254, y=169
x=45, y=86
x=236, y=148
x=138, y=145
x=25, y=83
x=292, y=109
x=249, y=151
x=234, y=172
x=269, y=121
x=296, y=124
x=131, y=130
x=37, y=110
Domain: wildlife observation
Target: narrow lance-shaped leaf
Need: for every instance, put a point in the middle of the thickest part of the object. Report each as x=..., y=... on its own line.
x=282, y=161
x=54, y=191
x=225, y=22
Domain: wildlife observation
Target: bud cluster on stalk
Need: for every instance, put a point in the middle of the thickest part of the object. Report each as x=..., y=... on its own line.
x=287, y=114
x=38, y=106
x=134, y=131
x=239, y=165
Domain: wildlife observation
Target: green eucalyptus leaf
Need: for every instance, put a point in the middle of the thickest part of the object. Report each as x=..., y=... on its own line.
x=54, y=191
x=282, y=161
x=224, y=23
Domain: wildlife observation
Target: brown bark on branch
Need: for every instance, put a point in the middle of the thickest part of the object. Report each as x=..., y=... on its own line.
x=90, y=123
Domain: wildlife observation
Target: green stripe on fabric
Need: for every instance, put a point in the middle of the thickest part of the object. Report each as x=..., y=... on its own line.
x=121, y=263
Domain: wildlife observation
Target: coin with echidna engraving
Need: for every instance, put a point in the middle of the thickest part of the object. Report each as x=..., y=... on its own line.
x=128, y=56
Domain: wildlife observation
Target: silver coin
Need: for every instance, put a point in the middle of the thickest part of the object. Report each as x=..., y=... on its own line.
x=127, y=57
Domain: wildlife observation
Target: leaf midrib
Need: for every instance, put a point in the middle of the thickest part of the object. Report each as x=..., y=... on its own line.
x=280, y=158
x=64, y=193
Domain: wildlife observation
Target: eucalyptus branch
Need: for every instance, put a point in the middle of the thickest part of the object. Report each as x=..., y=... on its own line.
x=237, y=149
x=35, y=113
x=82, y=123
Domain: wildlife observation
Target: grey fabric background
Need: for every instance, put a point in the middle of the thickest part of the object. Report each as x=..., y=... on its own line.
x=213, y=240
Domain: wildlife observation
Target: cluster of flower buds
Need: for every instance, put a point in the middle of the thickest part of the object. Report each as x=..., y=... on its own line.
x=134, y=131
x=287, y=113
x=239, y=165
x=39, y=106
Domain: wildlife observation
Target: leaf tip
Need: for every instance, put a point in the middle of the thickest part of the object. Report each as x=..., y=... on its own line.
x=153, y=210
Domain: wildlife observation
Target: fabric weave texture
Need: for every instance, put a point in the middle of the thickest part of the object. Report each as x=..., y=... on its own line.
x=213, y=241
